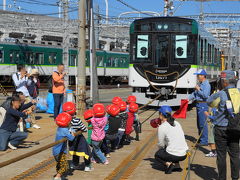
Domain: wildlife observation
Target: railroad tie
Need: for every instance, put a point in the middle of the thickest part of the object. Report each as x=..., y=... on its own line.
x=36, y=170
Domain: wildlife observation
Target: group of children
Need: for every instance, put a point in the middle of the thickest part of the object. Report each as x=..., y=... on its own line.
x=109, y=128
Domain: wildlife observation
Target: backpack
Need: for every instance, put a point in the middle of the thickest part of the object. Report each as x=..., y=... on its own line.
x=2, y=115
x=33, y=88
x=234, y=121
x=50, y=82
x=3, y=109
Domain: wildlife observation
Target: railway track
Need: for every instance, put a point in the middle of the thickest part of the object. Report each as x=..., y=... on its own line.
x=123, y=170
x=44, y=87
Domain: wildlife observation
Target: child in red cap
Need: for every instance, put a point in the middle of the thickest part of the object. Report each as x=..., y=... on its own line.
x=60, y=150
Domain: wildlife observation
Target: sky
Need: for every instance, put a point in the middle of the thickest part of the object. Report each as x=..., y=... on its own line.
x=115, y=7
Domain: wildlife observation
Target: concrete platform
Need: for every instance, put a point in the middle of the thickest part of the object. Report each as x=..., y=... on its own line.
x=202, y=167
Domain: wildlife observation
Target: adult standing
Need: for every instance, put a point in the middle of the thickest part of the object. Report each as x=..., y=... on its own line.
x=33, y=85
x=58, y=88
x=238, y=82
x=225, y=140
x=20, y=79
x=200, y=95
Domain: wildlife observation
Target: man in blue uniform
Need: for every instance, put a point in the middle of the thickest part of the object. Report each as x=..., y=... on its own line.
x=225, y=140
x=200, y=95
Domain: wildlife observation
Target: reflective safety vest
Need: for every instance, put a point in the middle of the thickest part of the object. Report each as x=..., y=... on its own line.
x=235, y=99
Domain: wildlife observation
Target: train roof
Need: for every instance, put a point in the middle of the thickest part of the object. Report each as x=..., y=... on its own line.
x=169, y=18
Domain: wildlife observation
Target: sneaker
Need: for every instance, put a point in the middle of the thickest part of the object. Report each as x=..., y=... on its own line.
x=36, y=126
x=57, y=178
x=211, y=154
x=11, y=146
x=75, y=167
x=88, y=169
x=106, y=162
x=93, y=161
x=108, y=156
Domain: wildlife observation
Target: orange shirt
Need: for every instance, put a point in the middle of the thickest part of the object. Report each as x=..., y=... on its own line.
x=58, y=83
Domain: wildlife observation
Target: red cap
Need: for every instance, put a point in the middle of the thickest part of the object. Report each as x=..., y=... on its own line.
x=63, y=119
x=131, y=99
x=88, y=114
x=69, y=107
x=113, y=110
x=155, y=122
x=122, y=105
x=116, y=100
x=133, y=107
x=98, y=110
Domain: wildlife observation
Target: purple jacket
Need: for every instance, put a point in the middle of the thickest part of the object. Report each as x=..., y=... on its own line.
x=98, y=133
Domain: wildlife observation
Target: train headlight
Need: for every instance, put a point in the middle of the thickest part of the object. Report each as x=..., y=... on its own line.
x=159, y=26
x=165, y=26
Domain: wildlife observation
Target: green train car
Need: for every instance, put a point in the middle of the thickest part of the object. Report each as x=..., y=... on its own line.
x=110, y=65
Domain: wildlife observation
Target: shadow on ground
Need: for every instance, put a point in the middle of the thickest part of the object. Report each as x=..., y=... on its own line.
x=193, y=140
x=155, y=164
x=204, y=172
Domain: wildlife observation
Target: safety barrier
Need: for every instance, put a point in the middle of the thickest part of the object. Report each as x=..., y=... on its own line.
x=2, y=90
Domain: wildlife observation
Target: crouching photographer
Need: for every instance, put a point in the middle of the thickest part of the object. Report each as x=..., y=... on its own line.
x=171, y=141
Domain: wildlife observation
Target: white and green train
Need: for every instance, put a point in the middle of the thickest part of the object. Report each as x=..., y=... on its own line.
x=164, y=54
x=111, y=66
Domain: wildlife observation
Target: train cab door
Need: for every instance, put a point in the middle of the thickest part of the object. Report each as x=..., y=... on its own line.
x=162, y=51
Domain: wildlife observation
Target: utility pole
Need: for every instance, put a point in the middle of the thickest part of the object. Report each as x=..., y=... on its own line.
x=59, y=3
x=98, y=29
x=165, y=11
x=81, y=67
x=4, y=5
x=94, y=95
x=65, y=41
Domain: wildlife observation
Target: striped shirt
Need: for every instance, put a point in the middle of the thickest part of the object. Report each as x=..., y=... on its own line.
x=77, y=125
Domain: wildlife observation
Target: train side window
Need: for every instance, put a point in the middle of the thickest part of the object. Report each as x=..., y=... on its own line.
x=52, y=58
x=11, y=57
x=39, y=58
x=116, y=62
x=209, y=53
x=205, y=51
x=1, y=56
x=109, y=62
x=100, y=61
x=29, y=58
x=201, y=51
x=142, y=46
x=73, y=59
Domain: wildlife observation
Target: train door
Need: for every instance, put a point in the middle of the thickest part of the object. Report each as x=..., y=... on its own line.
x=162, y=51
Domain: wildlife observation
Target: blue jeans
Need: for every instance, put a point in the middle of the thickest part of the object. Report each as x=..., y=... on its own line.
x=15, y=138
x=58, y=100
x=119, y=137
x=201, y=119
x=96, y=151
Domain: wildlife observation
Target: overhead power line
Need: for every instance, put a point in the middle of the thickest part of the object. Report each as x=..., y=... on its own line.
x=131, y=7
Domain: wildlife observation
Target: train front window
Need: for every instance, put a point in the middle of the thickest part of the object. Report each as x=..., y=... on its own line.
x=183, y=48
x=142, y=51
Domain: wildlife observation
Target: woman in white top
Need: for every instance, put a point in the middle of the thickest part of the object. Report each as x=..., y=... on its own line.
x=171, y=141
